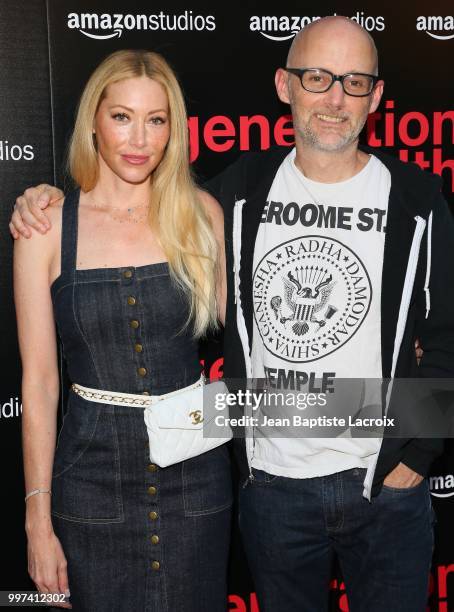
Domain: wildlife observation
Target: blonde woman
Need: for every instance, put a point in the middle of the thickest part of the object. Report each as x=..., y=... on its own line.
x=130, y=275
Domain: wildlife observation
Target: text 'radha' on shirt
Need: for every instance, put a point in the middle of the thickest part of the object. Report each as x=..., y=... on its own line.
x=316, y=293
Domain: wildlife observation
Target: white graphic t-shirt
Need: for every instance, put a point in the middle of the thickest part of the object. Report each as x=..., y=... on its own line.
x=316, y=293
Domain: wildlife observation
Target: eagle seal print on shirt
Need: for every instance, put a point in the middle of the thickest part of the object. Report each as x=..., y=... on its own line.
x=310, y=295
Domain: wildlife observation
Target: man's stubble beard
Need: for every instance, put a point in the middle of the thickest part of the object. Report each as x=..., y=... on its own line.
x=311, y=139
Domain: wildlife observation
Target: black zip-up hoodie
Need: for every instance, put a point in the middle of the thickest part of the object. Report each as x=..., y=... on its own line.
x=417, y=294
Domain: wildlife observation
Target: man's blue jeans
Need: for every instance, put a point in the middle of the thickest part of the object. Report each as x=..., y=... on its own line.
x=292, y=528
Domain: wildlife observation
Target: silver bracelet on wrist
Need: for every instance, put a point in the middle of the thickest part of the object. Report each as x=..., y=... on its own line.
x=36, y=491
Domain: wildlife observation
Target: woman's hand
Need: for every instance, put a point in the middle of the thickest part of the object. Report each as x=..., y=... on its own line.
x=28, y=210
x=47, y=564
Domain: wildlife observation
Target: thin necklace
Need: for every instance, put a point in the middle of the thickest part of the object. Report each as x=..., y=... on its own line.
x=130, y=217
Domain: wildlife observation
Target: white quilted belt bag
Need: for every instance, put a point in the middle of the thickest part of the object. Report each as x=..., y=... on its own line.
x=181, y=424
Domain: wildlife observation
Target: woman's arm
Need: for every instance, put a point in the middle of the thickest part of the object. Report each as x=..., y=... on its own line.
x=216, y=214
x=33, y=260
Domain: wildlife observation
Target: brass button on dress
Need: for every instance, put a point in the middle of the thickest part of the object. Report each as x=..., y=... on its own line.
x=134, y=324
x=127, y=273
x=141, y=371
x=153, y=515
x=152, y=467
x=138, y=348
x=152, y=490
x=155, y=565
x=154, y=539
x=131, y=300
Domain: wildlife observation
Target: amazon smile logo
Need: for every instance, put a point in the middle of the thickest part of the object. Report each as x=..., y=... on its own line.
x=104, y=26
x=442, y=486
x=279, y=28
x=441, y=28
x=284, y=27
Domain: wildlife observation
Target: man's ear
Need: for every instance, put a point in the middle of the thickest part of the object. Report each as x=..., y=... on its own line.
x=281, y=82
x=376, y=96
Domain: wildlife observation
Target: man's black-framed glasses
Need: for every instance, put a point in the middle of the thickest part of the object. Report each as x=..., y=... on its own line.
x=318, y=80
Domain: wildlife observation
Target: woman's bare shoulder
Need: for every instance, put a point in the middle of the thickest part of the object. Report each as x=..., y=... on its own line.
x=55, y=211
x=212, y=206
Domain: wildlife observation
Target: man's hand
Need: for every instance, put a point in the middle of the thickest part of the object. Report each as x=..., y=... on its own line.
x=402, y=477
x=418, y=350
x=28, y=210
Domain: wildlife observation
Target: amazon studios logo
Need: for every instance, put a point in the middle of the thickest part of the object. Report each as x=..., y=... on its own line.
x=110, y=26
x=283, y=27
x=11, y=408
x=441, y=28
x=15, y=152
x=442, y=486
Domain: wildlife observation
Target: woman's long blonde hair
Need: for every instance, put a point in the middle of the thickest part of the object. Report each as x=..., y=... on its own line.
x=177, y=216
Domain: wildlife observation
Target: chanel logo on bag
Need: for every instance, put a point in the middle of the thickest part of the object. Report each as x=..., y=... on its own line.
x=196, y=417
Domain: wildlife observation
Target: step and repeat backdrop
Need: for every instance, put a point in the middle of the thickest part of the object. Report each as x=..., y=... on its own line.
x=225, y=55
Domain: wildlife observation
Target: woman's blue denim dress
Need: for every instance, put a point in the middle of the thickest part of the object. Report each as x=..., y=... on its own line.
x=136, y=536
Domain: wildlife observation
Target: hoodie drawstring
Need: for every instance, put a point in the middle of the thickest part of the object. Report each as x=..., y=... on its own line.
x=429, y=262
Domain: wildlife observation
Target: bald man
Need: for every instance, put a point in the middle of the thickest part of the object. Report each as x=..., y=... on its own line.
x=329, y=277
x=338, y=258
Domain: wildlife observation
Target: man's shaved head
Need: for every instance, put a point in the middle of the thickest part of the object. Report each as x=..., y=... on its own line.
x=341, y=28
x=331, y=120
